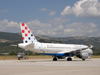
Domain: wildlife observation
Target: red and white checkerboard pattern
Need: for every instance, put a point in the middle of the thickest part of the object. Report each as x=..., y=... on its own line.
x=27, y=35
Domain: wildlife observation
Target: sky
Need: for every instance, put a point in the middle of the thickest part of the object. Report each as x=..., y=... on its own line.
x=56, y=18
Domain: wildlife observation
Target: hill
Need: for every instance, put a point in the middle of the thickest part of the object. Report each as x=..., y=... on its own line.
x=7, y=39
x=10, y=36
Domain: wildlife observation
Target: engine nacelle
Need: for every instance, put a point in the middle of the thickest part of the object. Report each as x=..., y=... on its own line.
x=83, y=55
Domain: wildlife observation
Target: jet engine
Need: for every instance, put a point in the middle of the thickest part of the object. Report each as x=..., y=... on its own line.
x=83, y=56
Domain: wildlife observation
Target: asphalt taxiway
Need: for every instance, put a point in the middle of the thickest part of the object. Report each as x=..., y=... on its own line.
x=49, y=67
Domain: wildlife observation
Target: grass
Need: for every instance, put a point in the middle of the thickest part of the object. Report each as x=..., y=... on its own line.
x=95, y=56
x=27, y=57
x=35, y=57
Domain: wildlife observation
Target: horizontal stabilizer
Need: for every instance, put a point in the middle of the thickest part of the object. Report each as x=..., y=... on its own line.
x=31, y=45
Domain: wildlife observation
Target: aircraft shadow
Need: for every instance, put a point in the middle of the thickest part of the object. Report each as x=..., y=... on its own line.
x=61, y=60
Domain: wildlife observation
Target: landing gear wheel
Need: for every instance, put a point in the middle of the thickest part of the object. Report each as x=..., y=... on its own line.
x=69, y=59
x=83, y=59
x=18, y=58
x=55, y=59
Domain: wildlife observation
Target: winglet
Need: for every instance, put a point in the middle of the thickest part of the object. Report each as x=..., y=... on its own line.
x=91, y=46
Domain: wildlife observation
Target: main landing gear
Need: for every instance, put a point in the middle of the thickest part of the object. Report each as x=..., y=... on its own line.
x=69, y=59
x=54, y=58
x=83, y=59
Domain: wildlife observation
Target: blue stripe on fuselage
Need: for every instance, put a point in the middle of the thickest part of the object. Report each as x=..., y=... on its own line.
x=89, y=53
x=57, y=54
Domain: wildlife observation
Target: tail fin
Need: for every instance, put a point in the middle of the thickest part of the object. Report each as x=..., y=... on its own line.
x=27, y=35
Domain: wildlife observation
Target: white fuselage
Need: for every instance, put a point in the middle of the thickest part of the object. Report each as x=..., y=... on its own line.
x=56, y=50
x=51, y=48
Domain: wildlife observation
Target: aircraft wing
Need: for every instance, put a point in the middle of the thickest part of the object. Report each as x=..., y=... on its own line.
x=63, y=52
x=71, y=51
x=84, y=48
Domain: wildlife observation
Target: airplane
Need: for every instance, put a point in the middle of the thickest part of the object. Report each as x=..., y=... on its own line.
x=57, y=51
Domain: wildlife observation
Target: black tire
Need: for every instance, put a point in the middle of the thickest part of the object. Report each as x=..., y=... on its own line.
x=83, y=59
x=18, y=58
x=54, y=59
x=69, y=59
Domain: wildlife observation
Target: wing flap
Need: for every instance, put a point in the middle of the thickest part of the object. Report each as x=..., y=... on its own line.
x=63, y=52
x=71, y=51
